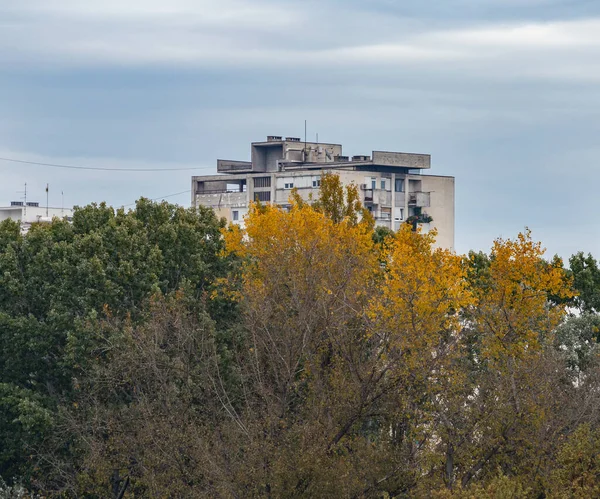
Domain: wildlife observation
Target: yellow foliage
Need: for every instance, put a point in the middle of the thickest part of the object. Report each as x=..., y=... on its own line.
x=513, y=305
x=416, y=313
x=303, y=241
x=368, y=334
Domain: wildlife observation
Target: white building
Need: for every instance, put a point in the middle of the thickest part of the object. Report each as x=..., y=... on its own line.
x=28, y=213
x=392, y=184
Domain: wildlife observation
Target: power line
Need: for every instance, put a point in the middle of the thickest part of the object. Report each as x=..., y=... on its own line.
x=162, y=197
x=98, y=168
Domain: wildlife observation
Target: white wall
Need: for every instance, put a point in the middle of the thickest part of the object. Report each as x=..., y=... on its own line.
x=31, y=214
x=441, y=208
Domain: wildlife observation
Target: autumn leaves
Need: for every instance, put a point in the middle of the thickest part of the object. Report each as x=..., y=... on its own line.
x=401, y=365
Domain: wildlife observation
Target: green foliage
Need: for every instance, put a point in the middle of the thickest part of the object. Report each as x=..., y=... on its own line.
x=577, y=474
x=421, y=218
x=308, y=354
x=586, y=280
x=381, y=235
x=60, y=279
x=341, y=203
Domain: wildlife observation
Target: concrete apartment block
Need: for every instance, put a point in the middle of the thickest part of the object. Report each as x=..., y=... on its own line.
x=392, y=185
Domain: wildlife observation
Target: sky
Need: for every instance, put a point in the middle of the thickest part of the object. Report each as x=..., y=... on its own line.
x=502, y=93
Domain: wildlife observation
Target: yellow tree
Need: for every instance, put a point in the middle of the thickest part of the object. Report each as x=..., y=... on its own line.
x=345, y=335
x=513, y=306
x=416, y=319
x=508, y=385
x=306, y=281
x=391, y=354
x=341, y=203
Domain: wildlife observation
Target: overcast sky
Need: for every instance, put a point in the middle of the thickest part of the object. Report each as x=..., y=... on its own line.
x=504, y=94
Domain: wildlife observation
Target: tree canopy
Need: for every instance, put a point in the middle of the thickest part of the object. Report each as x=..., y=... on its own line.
x=159, y=353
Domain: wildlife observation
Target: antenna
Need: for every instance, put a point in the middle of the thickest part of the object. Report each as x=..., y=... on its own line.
x=62, y=206
x=25, y=199
x=47, y=197
x=305, y=158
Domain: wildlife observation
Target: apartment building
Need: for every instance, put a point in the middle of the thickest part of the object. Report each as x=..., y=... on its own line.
x=392, y=185
x=28, y=213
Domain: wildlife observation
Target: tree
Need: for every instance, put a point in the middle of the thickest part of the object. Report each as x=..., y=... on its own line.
x=305, y=354
x=59, y=278
x=340, y=203
x=586, y=280
x=504, y=387
x=336, y=337
x=578, y=472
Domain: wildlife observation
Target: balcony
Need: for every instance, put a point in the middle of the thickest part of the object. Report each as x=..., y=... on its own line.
x=218, y=199
x=376, y=196
x=419, y=199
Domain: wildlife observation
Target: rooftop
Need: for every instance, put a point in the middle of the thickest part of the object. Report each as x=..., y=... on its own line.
x=291, y=153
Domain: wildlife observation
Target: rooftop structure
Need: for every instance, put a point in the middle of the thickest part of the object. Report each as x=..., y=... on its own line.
x=30, y=212
x=393, y=185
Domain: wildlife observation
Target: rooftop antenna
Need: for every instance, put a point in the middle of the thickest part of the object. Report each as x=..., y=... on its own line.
x=305, y=158
x=25, y=199
x=62, y=206
x=47, y=198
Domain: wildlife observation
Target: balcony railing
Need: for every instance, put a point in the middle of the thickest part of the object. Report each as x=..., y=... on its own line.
x=420, y=199
x=218, y=191
x=378, y=196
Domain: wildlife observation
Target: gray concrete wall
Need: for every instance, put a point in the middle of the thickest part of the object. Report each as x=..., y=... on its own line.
x=408, y=160
x=229, y=166
x=274, y=154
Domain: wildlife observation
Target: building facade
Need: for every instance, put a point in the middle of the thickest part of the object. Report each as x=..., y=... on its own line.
x=392, y=185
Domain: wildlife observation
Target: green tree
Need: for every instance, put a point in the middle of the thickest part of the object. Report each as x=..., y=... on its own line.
x=586, y=280
x=59, y=279
x=341, y=203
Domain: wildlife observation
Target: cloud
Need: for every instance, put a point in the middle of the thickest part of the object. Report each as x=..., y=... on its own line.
x=232, y=33
x=225, y=13
x=502, y=94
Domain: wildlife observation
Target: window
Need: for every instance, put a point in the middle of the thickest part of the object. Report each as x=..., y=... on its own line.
x=316, y=183
x=383, y=184
x=235, y=215
x=399, y=185
x=289, y=185
x=373, y=183
x=262, y=196
x=262, y=182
